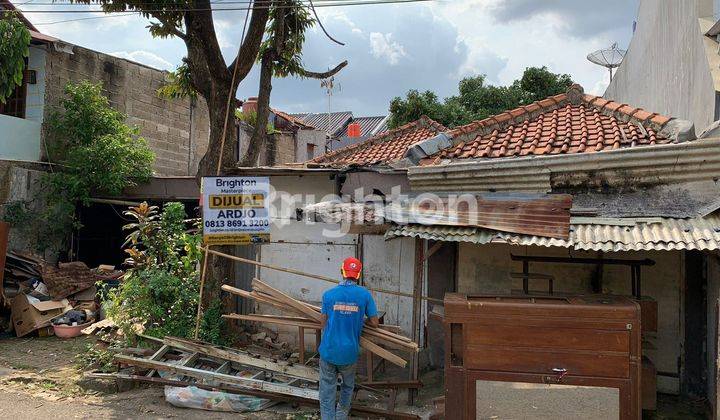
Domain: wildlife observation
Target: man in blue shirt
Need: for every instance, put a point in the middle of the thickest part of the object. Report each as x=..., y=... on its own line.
x=344, y=308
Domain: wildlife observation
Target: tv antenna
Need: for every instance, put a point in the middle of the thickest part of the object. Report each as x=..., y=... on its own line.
x=329, y=86
x=609, y=58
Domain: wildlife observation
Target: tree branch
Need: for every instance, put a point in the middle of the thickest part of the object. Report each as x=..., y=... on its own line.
x=170, y=28
x=200, y=32
x=259, y=134
x=325, y=75
x=251, y=43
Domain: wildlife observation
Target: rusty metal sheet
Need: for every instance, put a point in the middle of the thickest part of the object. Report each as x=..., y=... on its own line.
x=546, y=215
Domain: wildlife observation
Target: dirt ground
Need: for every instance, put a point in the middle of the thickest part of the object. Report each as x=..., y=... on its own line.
x=39, y=379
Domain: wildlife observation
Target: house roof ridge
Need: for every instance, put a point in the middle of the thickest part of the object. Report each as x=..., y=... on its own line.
x=423, y=121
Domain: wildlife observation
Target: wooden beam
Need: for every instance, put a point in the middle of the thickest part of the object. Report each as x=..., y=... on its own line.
x=220, y=377
x=295, y=371
x=357, y=410
x=272, y=320
x=385, y=354
x=312, y=276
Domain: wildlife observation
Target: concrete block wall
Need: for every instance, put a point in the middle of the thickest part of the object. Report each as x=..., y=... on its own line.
x=177, y=130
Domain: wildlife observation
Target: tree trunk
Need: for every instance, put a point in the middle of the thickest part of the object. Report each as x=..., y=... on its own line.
x=219, y=270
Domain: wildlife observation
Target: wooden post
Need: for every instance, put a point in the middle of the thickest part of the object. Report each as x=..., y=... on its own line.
x=202, y=287
x=301, y=343
x=417, y=312
x=369, y=365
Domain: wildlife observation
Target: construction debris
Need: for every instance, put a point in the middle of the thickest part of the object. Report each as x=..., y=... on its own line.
x=308, y=316
x=188, y=363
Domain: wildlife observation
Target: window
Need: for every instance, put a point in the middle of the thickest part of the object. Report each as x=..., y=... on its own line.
x=14, y=105
x=310, y=151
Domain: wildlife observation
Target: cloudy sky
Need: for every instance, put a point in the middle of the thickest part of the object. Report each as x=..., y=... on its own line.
x=391, y=48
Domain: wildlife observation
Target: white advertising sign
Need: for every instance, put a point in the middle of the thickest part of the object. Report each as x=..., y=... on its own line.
x=235, y=210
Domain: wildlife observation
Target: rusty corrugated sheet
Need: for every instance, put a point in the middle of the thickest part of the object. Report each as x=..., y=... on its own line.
x=664, y=235
x=546, y=215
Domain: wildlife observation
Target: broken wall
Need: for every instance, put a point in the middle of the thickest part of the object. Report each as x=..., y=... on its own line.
x=487, y=268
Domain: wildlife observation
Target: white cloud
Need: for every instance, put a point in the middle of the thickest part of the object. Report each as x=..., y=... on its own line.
x=145, y=57
x=383, y=46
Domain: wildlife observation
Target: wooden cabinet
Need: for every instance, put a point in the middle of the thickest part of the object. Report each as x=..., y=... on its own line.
x=583, y=341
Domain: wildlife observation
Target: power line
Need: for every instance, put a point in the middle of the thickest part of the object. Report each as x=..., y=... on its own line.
x=330, y=3
x=85, y=18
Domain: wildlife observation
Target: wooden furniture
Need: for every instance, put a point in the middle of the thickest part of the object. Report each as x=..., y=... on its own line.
x=587, y=341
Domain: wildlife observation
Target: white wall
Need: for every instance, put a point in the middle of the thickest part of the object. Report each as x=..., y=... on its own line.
x=487, y=268
x=666, y=67
x=35, y=97
x=390, y=265
x=300, y=246
x=19, y=139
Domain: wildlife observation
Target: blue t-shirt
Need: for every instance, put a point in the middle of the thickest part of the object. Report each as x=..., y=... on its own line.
x=346, y=307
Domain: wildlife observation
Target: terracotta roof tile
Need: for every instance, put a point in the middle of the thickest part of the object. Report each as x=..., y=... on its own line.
x=593, y=124
x=387, y=147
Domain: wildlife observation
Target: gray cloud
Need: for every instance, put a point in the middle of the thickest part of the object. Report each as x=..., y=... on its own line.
x=581, y=19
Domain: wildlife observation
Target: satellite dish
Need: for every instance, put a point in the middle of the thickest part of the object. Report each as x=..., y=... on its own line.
x=609, y=58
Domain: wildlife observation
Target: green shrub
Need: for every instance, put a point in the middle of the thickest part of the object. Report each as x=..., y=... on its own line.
x=161, y=289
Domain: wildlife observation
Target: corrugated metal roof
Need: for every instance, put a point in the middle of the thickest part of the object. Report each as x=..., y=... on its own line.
x=338, y=121
x=369, y=126
x=667, y=234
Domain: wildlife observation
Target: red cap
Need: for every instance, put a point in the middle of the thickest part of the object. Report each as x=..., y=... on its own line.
x=351, y=268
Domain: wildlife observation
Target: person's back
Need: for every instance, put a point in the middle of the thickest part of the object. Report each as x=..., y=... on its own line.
x=344, y=308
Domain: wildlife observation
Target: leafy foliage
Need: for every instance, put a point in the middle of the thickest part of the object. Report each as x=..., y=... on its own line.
x=477, y=99
x=14, y=48
x=161, y=289
x=178, y=83
x=251, y=119
x=296, y=20
x=96, y=154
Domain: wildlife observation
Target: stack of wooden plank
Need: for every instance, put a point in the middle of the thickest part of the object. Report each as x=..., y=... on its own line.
x=305, y=315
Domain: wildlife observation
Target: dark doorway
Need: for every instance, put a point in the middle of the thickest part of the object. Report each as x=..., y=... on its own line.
x=694, y=372
x=441, y=278
x=100, y=239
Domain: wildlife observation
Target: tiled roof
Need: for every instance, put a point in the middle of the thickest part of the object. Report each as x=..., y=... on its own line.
x=571, y=122
x=370, y=126
x=388, y=147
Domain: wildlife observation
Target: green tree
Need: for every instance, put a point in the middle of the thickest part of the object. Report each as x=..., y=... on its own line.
x=14, y=48
x=274, y=37
x=477, y=99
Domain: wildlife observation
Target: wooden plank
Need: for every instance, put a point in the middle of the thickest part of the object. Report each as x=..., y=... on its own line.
x=295, y=371
x=391, y=384
x=312, y=276
x=293, y=303
x=273, y=320
x=221, y=377
x=357, y=410
x=224, y=368
x=390, y=357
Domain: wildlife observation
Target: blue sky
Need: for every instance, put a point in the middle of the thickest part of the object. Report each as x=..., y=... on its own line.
x=394, y=48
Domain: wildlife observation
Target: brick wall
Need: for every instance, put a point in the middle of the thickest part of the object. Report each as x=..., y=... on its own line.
x=176, y=130
x=285, y=149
